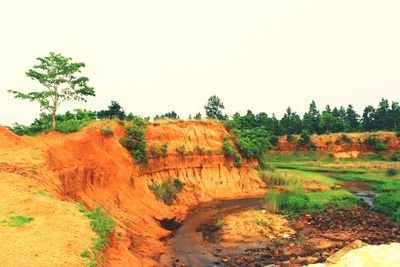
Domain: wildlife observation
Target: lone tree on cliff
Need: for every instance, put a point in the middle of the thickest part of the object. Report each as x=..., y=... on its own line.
x=59, y=75
x=214, y=108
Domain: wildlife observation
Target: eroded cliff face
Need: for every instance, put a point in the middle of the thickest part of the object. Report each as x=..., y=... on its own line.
x=97, y=170
x=333, y=144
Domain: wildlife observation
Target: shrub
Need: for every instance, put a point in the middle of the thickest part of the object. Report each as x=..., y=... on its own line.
x=71, y=126
x=167, y=190
x=312, y=147
x=345, y=139
x=101, y=224
x=199, y=150
x=159, y=152
x=389, y=204
x=304, y=138
x=398, y=133
x=230, y=152
x=106, y=131
x=375, y=143
x=391, y=171
x=395, y=156
x=274, y=140
x=272, y=200
x=181, y=151
x=290, y=138
x=134, y=141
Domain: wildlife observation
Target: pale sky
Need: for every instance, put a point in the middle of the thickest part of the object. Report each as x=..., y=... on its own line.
x=158, y=56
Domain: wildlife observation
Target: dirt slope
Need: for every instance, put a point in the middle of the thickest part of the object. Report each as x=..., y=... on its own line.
x=93, y=169
x=57, y=233
x=333, y=144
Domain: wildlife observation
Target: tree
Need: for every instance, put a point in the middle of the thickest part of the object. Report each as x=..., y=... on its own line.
x=353, y=119
x=368, y=119
x=214, y=108
x=58, y=74
x=114, y=110
x=291, y=122
x=311, y=118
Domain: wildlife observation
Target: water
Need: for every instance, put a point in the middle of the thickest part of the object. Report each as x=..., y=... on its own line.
x=188, y=244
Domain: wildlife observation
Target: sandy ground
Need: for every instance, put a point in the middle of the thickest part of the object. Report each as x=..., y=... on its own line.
x=254, y=227
x=58, y=232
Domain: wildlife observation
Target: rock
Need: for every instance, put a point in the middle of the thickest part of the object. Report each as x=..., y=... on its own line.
x=353, y=245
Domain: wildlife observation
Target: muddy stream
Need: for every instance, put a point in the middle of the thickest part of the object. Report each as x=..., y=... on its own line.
x=196, y=242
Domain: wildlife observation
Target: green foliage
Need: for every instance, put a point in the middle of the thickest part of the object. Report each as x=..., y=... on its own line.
x=214, y=108
x=134, y=141
x=395, y=156
x=199, y=150
x=230, y=152
x=167, y=190
x=59, y=75
x=398, y=134
x=304, y=138
x=71, y=126
x=106, y=131
x=389, y=204
x=312, y=147
x=16, y=221
x=297, y=201
x=375, y=143
x=391, y=171
x=169, y=115
x=159, y=152
x=345, y=139
x=114, y=111
x=252, y=143
x=102, y=225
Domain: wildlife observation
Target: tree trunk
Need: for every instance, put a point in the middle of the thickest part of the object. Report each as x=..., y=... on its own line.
x=53, y=122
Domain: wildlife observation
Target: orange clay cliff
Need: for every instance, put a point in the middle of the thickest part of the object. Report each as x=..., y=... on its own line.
x=96, y=170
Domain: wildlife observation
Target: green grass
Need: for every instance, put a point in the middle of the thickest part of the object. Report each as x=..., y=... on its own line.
x=296, y=202
x=71, y=126
x=102, y=225
x=16, y=221
x=293, y=177
x=389, y=204
x=167, y=190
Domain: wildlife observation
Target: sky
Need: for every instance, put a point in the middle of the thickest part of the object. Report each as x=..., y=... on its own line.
x=157, y=56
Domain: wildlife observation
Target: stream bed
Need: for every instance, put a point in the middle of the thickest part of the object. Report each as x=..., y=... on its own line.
x=197, y=243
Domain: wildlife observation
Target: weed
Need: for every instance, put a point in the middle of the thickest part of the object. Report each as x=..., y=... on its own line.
x=16, y=221
x=391, y=171
x=106, y=131
x=71, y=126
x=181, y=151
x=167, y=190
x=134, y=141
x=230, y=152
x=85, y=253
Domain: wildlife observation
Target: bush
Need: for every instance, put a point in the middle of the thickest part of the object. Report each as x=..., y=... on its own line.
x=398, y=133
x=71, y=126
x=167, y=190
x=181, y=151
x=345, y=139
x=375, y=143
x=391, y=171
x=304, y=138
x=312, y=147
x=134, y=141
x=274, y=140
x=101, y=224
x=389, y=204
x=395, y=156
x=199, y=150
x=106, y=131
x=230, y=152
x=159, y=152
x=290, y=138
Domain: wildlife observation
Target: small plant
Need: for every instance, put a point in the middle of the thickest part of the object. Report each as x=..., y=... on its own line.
x=16, y=221
x=164, y=149
x=345, y=139
x=391, y=171
x=230, y=152
x=71, y=126
x=304, y=138
x=312, y=147
x=220, y=223
x=398, y=134
x=106, y=131
x=272, y=201
x=375, y=143
x=261, y=222
x=199, y=150
x=85, y=253
x=134, y=141
x=290, y=138
x=167, y=190
x=102, y=225
x=181, y=151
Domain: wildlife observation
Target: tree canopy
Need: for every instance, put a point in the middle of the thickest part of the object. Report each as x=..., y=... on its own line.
x=60, y=77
